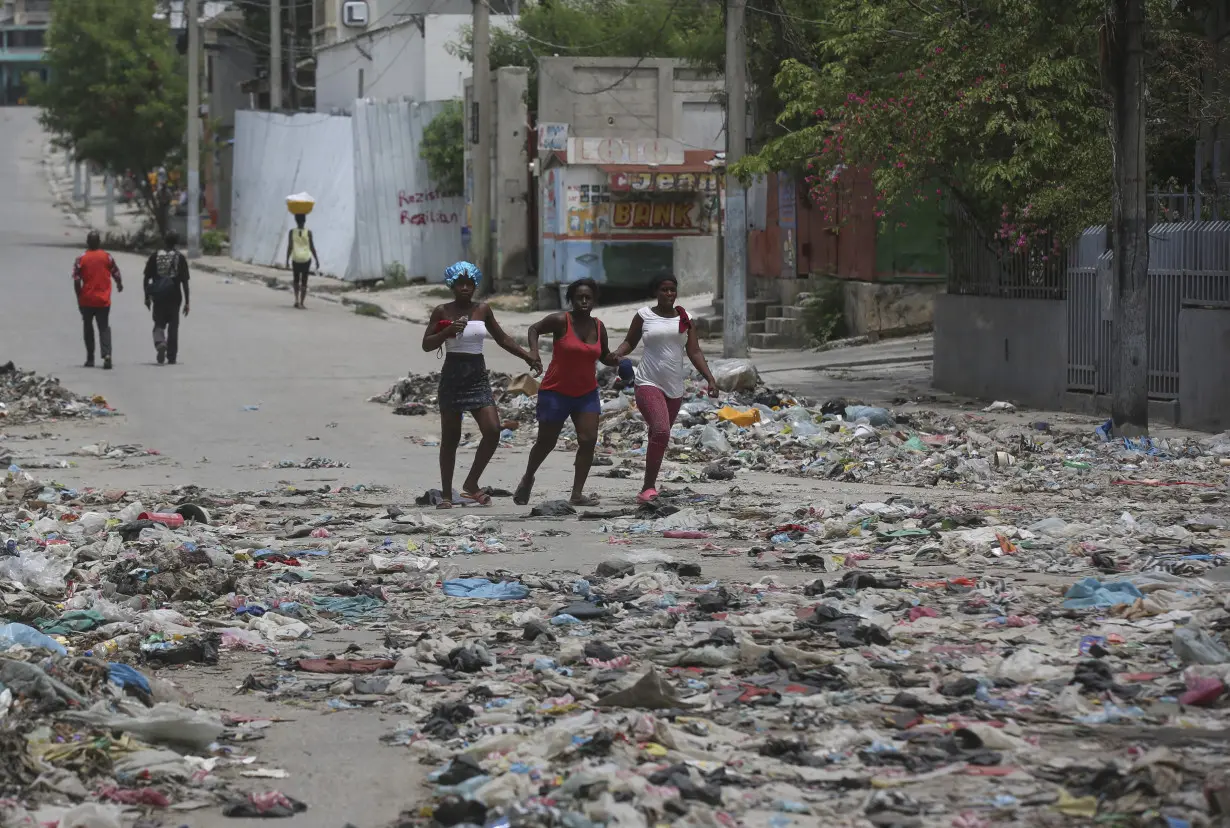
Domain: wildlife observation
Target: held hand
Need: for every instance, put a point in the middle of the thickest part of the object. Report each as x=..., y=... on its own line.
x=456, y=328
x=119, y=286
x=148, y=303
x=187, y=308
x=713, y=390
x=535, y=364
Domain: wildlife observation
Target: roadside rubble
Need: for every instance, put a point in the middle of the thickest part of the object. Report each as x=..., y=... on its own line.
x=27, y=397
x=971, y=654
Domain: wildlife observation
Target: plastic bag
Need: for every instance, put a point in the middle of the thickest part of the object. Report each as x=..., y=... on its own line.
x=19, y=635
x=617, y=405
x=878, y=417
x=129, y=513
x=37, y=571
x=735, y=374
x=714, y=441
x=91, y=523
x=162, y=724
x=1195, y=646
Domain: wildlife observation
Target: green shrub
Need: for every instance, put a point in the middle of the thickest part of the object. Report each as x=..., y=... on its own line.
x=824, y=316
x=212, y=242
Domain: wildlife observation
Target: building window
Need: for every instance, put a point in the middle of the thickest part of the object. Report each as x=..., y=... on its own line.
x=27, y=39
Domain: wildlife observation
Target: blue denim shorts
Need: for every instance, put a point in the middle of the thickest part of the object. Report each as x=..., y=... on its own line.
x=554, y=407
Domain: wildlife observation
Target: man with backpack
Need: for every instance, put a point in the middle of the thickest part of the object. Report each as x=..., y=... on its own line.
x=166, y=290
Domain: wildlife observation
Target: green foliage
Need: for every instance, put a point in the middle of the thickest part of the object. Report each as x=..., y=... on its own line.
x=1000, y=101
x=443, y=149
x=212, y=242
x=824, y=312
x=116, y=96
x=370, y=310
x=690, y=29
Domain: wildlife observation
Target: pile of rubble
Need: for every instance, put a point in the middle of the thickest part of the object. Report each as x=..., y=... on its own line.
x=27, y=397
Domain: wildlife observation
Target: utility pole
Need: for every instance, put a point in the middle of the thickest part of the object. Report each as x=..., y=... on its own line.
x=194, y=131
x=275, y=55
x=481, y=119
x=1124, y=75
x=734, y=259
x=291, y=72
x=109, y=181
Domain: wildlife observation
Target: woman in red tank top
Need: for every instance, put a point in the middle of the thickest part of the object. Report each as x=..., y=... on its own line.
x=570, y=388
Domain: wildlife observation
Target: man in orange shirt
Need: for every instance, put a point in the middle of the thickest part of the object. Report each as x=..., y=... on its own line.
x=92, y=275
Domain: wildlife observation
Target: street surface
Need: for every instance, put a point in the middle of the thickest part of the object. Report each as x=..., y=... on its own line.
x=260, y=382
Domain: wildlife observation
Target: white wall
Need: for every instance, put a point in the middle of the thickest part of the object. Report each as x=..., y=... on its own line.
x=403, y=63
x=401, y=218
x=279, y=155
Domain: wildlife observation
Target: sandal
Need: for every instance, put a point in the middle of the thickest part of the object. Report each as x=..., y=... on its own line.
x=479, y=498
x=444, y=504
x=585, y=500
x=647, y=496
x=525, y=488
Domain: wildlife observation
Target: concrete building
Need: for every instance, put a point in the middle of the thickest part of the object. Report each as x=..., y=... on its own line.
x=626, y=187
x=23, y=32
x=510, y=175
x=230, y=62
x=391, y=50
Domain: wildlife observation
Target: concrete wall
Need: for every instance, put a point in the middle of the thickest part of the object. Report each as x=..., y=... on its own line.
x=230, y=62
x=411, y=59
x=400, y=215
x=886, y=308
x=1002, y=349
x=510, y=178
x=632, y=98
x=696, y=264
x=1204, y=370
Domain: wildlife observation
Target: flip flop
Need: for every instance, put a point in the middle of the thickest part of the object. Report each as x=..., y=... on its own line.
x=525, y=488
x=647, y=496
x=477, y=498
x=585, y=500
x=444, y=504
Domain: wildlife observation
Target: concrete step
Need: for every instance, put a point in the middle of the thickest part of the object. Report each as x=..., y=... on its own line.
x=757, y=309
x=783, y=325
x=772, y=342
x=790, y=312
x=710, y=327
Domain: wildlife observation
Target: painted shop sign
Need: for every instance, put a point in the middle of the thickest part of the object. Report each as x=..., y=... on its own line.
x=651, y=182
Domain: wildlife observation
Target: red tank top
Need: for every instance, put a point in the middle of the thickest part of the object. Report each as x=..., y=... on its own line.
x=571, y=371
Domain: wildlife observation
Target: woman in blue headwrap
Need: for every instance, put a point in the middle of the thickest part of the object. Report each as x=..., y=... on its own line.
x=461, y=328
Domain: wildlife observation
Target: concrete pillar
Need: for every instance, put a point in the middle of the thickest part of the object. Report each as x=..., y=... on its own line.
x=85, y=194
x=76, y=182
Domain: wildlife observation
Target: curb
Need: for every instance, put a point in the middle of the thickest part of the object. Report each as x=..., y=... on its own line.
x=59, y=199
x=864, y=363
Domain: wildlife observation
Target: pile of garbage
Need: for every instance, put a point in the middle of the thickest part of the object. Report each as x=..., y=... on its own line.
x=27, y=397
x=895, y=662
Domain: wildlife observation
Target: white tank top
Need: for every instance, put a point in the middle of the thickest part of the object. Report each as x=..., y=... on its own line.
x=662, y=364
x=469, y=341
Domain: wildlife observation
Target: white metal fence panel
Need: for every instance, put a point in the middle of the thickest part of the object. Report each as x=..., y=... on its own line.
x=278, y=155
x=401, y=217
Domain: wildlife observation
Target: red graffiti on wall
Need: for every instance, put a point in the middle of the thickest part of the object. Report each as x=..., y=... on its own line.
x=404, y=198
x=428, y=218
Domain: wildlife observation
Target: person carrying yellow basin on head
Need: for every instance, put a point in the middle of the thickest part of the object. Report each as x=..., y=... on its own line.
x=300, y=245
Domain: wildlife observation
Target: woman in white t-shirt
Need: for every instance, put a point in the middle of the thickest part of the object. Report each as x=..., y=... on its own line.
x=668, y=335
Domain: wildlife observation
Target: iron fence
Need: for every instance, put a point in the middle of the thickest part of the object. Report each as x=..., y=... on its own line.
x=1189, y=262
x=979, y=265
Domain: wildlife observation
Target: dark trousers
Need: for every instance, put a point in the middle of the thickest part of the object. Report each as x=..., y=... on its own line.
x=166, y=327
x=103, y=317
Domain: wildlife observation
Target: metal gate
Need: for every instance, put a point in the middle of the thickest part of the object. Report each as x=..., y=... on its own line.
x=1188, y=262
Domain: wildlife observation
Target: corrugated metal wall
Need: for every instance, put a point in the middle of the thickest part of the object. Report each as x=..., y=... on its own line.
x=278, y=155
x=401, y=217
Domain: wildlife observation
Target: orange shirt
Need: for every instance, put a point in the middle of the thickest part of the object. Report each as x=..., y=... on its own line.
x=93, y=271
